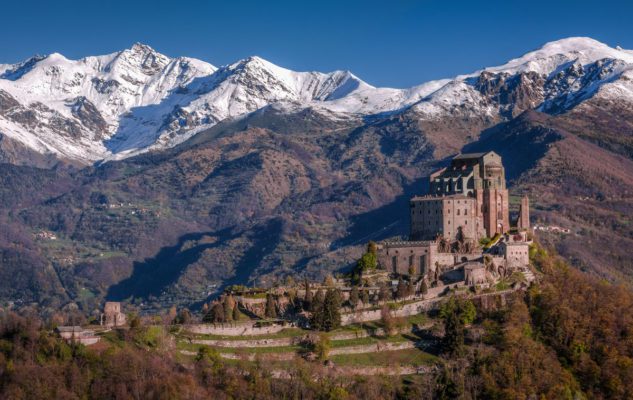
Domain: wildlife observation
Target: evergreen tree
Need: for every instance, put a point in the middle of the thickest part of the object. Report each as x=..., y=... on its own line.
x=367, y=262
x=423, y=287
x=456, y=313
x=271, y=311
x=331, y=310
x=453, y=340
x=307, y=302
x=215, y=314
x=317, y=311
x=354, y=297
x=236, y=313
x=364, y=296
x=411, y=288
x=317, y=302
x=228, y=305
x=401, y=291
x=384, y=292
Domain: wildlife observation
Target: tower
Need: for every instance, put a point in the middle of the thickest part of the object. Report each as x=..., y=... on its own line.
x=523, y=223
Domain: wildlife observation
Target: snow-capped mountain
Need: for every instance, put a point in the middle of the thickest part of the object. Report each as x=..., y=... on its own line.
x=553, y=79
x=137, y=99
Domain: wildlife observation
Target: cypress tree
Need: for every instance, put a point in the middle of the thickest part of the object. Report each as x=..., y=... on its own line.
x=401, y=291
x=317, y=302
x=228, y=305
x=271, y=312
x=423, y=287
x=331, y=310
x=307, y=302
x=364, y=296
x=318, y=311
x=215, y=314
x=384, y=293
x=354, y=297
x=411, y=288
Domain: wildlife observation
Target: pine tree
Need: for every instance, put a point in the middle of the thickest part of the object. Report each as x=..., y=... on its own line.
x=271, y=311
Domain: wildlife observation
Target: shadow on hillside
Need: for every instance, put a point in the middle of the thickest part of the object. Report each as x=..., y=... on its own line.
x=389, y=220
x=521, y=142
x=171, y=108
x=152, y=276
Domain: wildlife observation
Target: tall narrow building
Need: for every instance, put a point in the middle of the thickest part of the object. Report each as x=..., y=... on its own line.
x=523, y=223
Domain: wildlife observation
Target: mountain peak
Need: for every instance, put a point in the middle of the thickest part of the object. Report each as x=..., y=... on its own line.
x=143, y=48
x=548, y=57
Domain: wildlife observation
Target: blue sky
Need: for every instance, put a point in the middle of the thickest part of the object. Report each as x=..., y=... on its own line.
x=396, y=43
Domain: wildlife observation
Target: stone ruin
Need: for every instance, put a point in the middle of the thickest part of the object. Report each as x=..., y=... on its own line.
x=112, y=315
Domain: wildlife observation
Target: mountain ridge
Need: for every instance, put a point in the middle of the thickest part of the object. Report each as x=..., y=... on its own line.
x=138, y=100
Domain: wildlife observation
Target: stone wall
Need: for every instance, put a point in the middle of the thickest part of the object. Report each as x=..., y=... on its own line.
x=235, y=329
x=372, y=348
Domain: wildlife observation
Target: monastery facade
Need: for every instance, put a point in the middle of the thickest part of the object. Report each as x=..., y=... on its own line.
x=467, y=201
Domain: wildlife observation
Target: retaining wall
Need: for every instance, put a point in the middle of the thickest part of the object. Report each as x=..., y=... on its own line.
x=234, y=329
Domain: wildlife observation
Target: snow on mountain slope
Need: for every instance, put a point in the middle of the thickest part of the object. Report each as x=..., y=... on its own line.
x=69, y=107
x=120, y=104
x=582, y=50
x=554, y=78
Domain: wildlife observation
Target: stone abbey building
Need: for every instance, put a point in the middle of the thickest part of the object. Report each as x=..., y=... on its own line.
x=467, y=200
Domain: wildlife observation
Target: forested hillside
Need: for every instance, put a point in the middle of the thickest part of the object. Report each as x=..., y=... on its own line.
x=568, y=337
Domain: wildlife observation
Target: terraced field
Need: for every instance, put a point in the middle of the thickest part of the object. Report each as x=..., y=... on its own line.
x=354, y=349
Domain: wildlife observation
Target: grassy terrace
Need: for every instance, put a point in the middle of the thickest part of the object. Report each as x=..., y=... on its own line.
x=286, y=333
x=372, y=340
x=409, y=357
x=277, y=349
